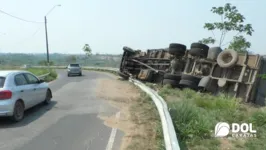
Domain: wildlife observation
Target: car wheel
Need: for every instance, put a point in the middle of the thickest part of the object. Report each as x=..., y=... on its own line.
x=48, y=97
x=18, y=113
x=80, y=74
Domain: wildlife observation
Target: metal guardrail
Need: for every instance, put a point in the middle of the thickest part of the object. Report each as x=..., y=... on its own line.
x=170, y=138
x=43, y=76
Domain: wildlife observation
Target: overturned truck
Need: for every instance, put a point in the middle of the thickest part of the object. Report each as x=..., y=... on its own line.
x=199, y=68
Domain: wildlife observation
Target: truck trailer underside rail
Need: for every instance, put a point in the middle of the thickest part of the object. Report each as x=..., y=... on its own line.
x=199, y=68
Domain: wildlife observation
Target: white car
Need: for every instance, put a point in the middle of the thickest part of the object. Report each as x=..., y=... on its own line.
x=19, y=91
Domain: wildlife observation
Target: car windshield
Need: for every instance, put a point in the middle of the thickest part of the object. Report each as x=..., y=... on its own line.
x=74, y=65
x=2, y=81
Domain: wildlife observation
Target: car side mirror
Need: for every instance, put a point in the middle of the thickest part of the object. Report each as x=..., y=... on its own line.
x=41, y=81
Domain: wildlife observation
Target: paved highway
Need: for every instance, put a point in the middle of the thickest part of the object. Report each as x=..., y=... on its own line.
x=70, y=122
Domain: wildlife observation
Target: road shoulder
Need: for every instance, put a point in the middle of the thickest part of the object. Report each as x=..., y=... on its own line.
x=139, y=119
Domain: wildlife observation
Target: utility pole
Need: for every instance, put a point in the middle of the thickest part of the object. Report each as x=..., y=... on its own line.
x=47, y=45
x=46, y=35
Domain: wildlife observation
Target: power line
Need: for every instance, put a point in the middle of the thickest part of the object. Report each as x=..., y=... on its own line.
x=1, y=11
x=25, y=39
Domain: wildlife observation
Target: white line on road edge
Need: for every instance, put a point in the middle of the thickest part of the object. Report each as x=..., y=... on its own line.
x=112, y=135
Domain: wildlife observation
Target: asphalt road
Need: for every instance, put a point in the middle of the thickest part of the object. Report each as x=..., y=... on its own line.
x=70, y=122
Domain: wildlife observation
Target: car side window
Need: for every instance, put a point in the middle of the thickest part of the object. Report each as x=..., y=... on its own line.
x=31, y=79
x=20, y=80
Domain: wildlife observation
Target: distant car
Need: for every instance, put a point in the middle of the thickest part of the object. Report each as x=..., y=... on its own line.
x=74, y=69
x=19, y=91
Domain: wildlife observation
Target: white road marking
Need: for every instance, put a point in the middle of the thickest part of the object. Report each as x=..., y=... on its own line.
x=112, y=135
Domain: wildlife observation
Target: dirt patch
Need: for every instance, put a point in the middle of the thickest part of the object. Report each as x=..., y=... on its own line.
x=225, y=144
x=139, y=119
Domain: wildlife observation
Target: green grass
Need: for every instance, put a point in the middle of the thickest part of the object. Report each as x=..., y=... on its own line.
x=37, y=71
x=196, y=114
x=52, y=76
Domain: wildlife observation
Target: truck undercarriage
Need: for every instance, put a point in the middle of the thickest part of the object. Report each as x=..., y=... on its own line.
x=199, y=68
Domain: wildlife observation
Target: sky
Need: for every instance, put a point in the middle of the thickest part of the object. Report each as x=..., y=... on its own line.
x=108, y=25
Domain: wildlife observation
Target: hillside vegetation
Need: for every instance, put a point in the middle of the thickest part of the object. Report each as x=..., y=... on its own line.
x=101, y=60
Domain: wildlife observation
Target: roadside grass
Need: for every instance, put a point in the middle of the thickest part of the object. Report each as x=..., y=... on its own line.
x=37, y=71
x=52, y=76
x=196, y=114
x=144, y=114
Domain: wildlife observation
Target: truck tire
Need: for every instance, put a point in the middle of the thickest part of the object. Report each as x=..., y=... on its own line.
x=176, y=77
x=177, y=49
x=177, y=45
x=188, y=84
x=129, y=50
x=198, y=52
x=177, y=52
x=199, y=45
x=172, y=83
x=213, y=53
x=227, y=58
x=190, y=78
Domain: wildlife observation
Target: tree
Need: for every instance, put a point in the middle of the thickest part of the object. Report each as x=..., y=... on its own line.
x=231, y=21
x=239, y=44
x=87, y=49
